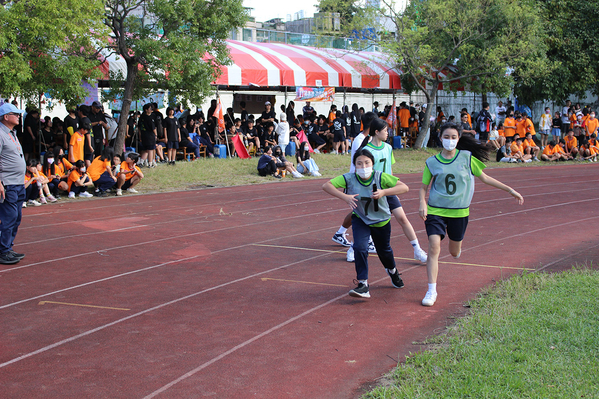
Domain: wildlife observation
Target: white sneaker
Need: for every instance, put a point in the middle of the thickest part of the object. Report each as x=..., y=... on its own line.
x=316, y=174
x=316, y=151
x=420, y=255
x=334, y=152
x=297, y=175
x=350, y=255
x=429, y=299
x=33, y=203
x=119, y=192
x=71, y=194
x=85, y=194
x=341, y=239
x=132, y=190
x=371, y=247
x=24, y=204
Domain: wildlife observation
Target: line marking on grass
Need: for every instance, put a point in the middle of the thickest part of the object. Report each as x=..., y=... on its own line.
x=81, y=305
x=302, y=282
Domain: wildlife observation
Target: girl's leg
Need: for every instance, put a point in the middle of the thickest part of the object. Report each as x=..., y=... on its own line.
x=455, y=248
x=382, y=237
x=361, y=234
x=432, y=263
x=409, y=232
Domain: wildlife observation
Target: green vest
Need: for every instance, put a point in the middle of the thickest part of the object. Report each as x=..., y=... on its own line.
x=365, y=208
x=452, y=186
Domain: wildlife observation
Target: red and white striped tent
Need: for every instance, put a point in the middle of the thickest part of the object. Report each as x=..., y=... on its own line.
x=276, y=65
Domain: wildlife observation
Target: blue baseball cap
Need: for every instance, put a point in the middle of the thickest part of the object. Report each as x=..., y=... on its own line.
x=7, y=108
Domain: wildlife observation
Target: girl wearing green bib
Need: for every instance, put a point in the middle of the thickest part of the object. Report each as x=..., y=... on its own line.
x=366, y=191
x=450, y=176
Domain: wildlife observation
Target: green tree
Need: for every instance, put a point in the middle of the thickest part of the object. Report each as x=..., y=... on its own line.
x=471, y=43
x=347, y=10
x=49, y=46
x=572, y=49
x=174, y=45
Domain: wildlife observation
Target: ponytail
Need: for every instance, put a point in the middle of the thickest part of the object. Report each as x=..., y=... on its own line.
x=376, y=124
x=479, y=150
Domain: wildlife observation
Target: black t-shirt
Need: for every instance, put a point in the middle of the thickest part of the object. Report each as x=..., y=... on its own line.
x=97, y=130
x=338, y=124
x=356, y=120
x=158, y=121
x=204, y=132
x=323, y=128
x=244, y=117
x=71, y=122
x=32, y=123
x=253, y=132
x=47, y=136
x=146, y=129
x=131, y=124
x=171, y=125
x=184, y=135
x=268, y=115
x=557, y=122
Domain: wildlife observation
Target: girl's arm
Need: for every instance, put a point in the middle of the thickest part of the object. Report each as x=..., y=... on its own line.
x=398, y=189
x=423, y=210
x=497, y=184
x=349, y=199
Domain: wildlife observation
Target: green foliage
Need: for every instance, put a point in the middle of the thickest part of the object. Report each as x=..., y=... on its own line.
x=49, y=46
x=532, y=336
x=347, y=9
x=572, y=49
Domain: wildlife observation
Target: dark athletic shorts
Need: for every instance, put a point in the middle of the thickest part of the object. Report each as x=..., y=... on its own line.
x=393, y=202
x=148, y=147
x=455, y=227
x=161, y=144
x=126, y=184
x=172, y=144
x=338, y=136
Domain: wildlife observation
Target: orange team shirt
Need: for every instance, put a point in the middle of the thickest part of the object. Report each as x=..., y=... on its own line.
x=97, y=167
x=78, y=142
x=404, y=118
x=27, y=178
x=550, y=151
x=585, y=119
x=125, y=168
x=571, y=142
x=572, y=118
x=594, y=150
x=501, y=132
x=528, y=143
x=559, y=149
x=520, y=127
x=530, y=127
x=73, y=177
x=515, y=148
x=332, y=117
x=414, y=123
x=509, y=122
x=61, y=168
x=592, y=125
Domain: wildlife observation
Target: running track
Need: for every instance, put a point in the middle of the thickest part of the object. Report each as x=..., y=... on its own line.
x=240, y=292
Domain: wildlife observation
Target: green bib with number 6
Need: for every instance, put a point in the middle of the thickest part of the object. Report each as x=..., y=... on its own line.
x=452, y=186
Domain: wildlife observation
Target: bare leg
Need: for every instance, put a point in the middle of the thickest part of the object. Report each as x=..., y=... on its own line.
x=432, y=263
x=455, y=248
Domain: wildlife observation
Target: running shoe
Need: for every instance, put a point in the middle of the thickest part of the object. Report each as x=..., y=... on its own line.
x=119, y=192
x=340, y=239
x=420, y=255
x=132, y=190
x=43, y=200
x=429, y=299
x=350, y=254
x=371, y=247
x=361, y=291
x=85, y=194
x=52, y=198
x=71, y=194
x=33, y=203
x=395, y=279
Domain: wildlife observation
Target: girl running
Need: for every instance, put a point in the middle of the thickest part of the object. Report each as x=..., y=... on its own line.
x=367, y=193
x=383, y=156
x=451, y=176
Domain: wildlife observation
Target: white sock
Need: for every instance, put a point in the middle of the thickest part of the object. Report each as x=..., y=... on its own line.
x=365, y=282
x=393, y=271
x=341, y=230
x=415, y=243
x=432, y=287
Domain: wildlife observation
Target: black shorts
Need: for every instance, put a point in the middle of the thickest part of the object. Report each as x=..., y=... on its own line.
x=148, y=147
x=438, y=225
x=338, y=136
x=172, y=144
x=88, y=157
x=126, y=184
x=161, y=144
x=393, y=202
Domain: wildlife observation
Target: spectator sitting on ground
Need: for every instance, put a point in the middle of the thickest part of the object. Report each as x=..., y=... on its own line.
x=42, y=181
x=503, y=154
x=250, y=134
x=294, y=131
x=588, y=153
x=116, y=165
x=60, y=170
x=129, y=175
x=551, y=153
x=561, y=147
x=283, y=164
x=268, y=137
x=530, y=147
x=311, y=129
x=32, y=189
x=267, y=164
x=101, y=172
x=324, y=131
x=571, y=144
x=517, y=150
x=49, y=171
x=79, y=181
x=305, y=164
x=494, y=137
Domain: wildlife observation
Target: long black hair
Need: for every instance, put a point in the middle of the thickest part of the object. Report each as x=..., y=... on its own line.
x=363, y=152
x=304, y=151
x=467, y=142
x=107, y=154
x=376, y=125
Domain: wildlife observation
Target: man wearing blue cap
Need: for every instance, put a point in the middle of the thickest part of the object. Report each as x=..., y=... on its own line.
x=12, y=179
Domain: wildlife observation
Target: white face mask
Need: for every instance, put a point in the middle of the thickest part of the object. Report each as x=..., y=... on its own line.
x=449, y=145
x=83, y=169
x=50, y=160
x=364, y=173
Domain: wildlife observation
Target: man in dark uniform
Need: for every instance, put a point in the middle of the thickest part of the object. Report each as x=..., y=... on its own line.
x=99, y=127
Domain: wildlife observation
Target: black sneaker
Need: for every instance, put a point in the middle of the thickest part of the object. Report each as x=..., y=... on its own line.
x=361, y=291
x=16, y=255
x=277, y=176
x=395, y=279
x=7, y=259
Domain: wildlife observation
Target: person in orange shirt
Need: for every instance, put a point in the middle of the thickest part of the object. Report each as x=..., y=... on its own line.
x=530, y=147
x=404, y=117
x=588, y=152
x=551, y=153
x=571, y=144
x=593, y=141
x=79, y=181
x=561, y=148
x=332, y=115
x=78, y=141
x=129, y=175
x=509, y=127
x=591, y=125
x=101, y=172
x=465, y=111
x=42, y=182
x=517, y=150
x=520, y=125
x=529, y=126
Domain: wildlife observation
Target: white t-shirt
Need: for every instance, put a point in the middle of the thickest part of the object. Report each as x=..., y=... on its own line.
x=565, y=118
x=499, y=109
x=282, y=129
x=354, y=147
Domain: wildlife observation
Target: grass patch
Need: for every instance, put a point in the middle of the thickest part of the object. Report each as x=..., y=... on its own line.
x=213, y=172
x=532, y=336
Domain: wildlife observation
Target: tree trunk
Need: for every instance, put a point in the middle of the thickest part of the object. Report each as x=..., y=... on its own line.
x=126, y=106
x=430, y=98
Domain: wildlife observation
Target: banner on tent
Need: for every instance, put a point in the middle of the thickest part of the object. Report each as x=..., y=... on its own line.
x=314, y=94
x=138, y=105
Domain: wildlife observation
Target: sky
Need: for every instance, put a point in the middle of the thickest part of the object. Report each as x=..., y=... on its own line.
x=263, y=10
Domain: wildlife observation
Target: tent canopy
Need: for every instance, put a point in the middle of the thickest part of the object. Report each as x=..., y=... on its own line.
x=276, y=64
